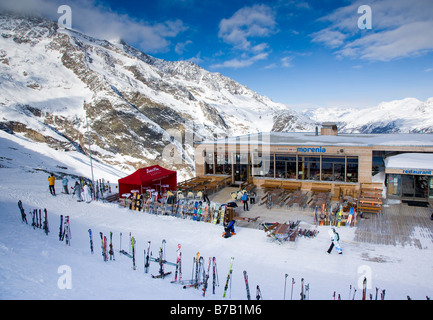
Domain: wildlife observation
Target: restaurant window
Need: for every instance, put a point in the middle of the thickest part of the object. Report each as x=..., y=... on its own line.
x=285, y=166
x=208, y=162
x=333, y=168
x=223, y=163
x=352, y=169
x=309, y=168
x=263, y=165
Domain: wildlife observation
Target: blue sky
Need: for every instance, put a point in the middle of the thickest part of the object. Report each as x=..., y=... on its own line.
x=301, y=53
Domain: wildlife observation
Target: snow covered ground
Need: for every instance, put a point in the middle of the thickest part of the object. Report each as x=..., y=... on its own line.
x=35, y=266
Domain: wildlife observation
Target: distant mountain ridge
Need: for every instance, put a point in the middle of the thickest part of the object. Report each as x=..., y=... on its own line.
x=408, y=115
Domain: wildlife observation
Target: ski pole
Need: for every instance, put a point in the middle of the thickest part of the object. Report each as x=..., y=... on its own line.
x=302, y=289
x=291, y=294
x=307, y=290
x=285, y=283
x=120, y=246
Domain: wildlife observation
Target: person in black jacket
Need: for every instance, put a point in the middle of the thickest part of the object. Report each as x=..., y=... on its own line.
x=205, y=197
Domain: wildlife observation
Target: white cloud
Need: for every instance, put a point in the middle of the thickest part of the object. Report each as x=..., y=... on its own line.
x=331, y=38
x=242, y=31
x=243, y=61
x=181, y=46
x=404, y=41
x=196, y=59
x=400, y=29
x=247, y=23
x=287, y=62
x=100, y=21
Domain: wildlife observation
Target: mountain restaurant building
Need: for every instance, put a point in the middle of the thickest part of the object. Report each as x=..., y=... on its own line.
x=403, y=163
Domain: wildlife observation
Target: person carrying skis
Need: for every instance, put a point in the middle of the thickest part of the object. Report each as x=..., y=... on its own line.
x=245, y=201
x=65, y=184
x=77, y=190
x=335, y=238
x=51, y=182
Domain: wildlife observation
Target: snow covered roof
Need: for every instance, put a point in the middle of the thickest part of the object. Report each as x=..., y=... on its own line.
x=310, y=138
x=417, y=161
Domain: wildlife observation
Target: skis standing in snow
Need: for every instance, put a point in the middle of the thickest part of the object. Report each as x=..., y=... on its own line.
x=178, y=272
x=61, y=228
x=364, y=288
x=91, y=240
x=111, y=252
x=133, y=252
x=215, y=281
x=207, y=277
x=258, y=293
x=45, y=225
x=161, y=261
x=247, y=286
x=146, y=263
x=23, y=214
x=66, y=235
x=228, y=276
x=104, y=246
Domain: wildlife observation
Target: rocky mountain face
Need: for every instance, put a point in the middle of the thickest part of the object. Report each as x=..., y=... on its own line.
x=67, y=89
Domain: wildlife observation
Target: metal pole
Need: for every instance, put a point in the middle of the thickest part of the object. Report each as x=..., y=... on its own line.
x=90, y=150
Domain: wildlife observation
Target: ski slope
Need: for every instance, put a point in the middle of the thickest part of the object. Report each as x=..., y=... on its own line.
x=32, y=264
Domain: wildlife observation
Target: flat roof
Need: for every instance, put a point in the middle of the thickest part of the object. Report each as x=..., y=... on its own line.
x=310, y=138
x=420, y=161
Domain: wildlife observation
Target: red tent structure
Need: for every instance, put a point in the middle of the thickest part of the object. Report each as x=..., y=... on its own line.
x=154, y=177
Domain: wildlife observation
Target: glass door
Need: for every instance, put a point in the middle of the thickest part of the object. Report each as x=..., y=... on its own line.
x=421, y=187
x=407, y=186
x=241, y=167
x=393, y=185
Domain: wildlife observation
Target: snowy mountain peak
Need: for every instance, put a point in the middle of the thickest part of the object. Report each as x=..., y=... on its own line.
x=132, y=102
x=405, y=115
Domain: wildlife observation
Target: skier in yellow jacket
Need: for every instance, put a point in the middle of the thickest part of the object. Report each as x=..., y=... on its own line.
x=51, y=181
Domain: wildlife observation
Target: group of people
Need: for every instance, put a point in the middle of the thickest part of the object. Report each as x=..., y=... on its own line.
x=83, y=193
